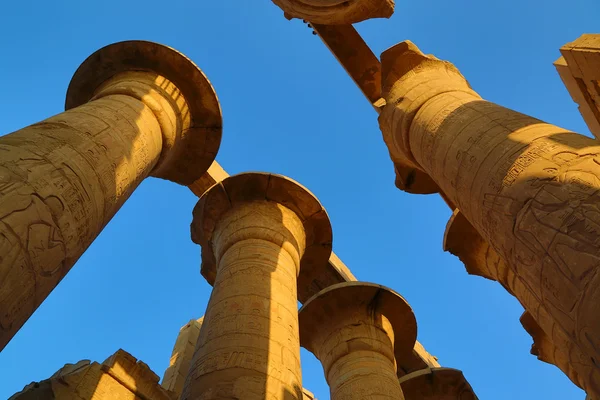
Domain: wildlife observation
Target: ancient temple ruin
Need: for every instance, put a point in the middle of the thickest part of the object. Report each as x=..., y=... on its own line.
x=525, y=197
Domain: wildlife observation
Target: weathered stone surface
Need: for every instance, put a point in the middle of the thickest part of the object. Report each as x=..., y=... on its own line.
x=181, y=357
x=120, y=377
x=358, y=330
x=579, y=69
x=436, y=384
x=529, y=188
x=134, y=109
x=310, y=284
x=262, y=230
x=336, y=12
x=462, y=240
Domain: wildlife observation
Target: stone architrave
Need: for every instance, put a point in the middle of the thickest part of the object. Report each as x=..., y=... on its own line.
x=120, y=377
x=436, y=384
x=260, y=230
x=530, y=189
x=358, y=331
x=336, y=12
x=134, y=109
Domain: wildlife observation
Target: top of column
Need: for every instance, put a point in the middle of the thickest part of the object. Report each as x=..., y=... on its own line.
x=348, y=298
x=257, y=186
x=336, y=12
x=187, y=157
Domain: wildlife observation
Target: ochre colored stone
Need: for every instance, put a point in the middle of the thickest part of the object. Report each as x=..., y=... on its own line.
x=134, y=109
x=310, y=282
x=262, y=230
x=336, y=12
x=462, y=240
x=579, y=69
x=358, y=330
x=181, y=357
x=530, y=189
x=436, y=384
x=120, y=377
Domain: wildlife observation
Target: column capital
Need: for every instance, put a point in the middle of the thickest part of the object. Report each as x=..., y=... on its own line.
x=436, y=384
x=192, y=149
x=346, y=300
x=409, y=80
x=257, y=186
x=336, y=12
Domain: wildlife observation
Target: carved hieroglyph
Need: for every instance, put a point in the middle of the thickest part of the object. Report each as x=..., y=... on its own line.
x=358, y=330
x=261, y=229
x=120, y=377
x=134, y=109
x=462, y=240
x=336, y=12
x=531, y=189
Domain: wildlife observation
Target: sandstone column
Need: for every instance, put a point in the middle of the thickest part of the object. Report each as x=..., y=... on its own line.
x=135, y=109
x=436, y=384
x=358, y=330
x=257, y=231
x=530, y=189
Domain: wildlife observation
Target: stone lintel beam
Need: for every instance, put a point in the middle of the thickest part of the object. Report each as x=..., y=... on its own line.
x=361, y=64
x=436, y=384
x=262, y=230
x=134, y=109
x=359, y=331
x=334, y=272
x=520, y=182
x=579, y=69
x=336, y=12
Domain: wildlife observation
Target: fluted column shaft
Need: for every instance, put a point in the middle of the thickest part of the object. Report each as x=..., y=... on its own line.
x=63, y=179
x=530, y=189
x=249, y=346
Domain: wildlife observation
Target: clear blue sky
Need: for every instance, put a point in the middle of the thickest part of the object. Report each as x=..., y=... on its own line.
x=288, y=108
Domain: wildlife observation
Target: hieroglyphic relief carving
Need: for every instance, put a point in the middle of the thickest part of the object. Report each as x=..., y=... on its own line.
x=529, y=188
x=261, y=230
x=64, y=178
x=360, y=332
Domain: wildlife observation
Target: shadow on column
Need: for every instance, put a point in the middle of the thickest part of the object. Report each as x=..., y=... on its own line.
x=120, y=377
x=257, y=231
x=134, y=109
x=530, y=189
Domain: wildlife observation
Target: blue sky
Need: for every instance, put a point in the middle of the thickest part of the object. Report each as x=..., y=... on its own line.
x=288, y=108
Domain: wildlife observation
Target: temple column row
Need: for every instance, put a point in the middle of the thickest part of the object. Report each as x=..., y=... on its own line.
x=134, y=109
x=528, y=188
x=258, y=233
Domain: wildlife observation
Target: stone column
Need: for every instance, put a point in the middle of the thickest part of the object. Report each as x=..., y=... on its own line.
x=181, y=357
x=135, y=109
x=529, y=188
x=358, y=330
x=462, y=240
x=257, y=231
x=436, y=384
